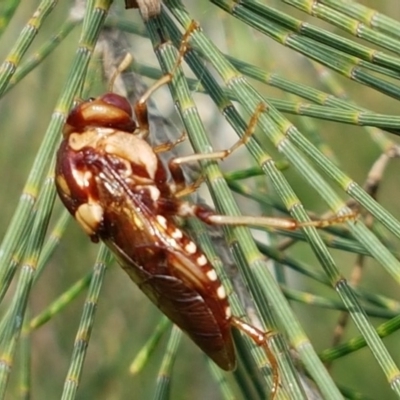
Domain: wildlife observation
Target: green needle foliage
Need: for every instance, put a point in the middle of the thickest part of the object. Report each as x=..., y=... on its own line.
x=318, y=82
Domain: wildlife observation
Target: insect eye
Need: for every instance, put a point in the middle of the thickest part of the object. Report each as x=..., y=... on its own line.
x=117, y=101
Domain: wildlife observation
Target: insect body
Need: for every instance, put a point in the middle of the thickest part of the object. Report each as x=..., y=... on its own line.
x=116, y=187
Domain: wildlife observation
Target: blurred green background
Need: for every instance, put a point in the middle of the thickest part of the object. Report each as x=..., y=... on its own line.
x=125, y=318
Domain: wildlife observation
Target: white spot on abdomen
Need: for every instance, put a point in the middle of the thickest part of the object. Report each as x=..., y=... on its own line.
x=177, y=234
x=191, y=248
x=221, y=293
x=202, y=261
x=212, y=275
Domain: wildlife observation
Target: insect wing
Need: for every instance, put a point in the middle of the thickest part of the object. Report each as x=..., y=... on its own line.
x=159, y=264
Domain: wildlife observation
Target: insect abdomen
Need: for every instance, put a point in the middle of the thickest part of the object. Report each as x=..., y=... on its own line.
x=189, y=294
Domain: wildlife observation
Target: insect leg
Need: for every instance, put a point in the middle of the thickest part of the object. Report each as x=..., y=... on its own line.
x=261, y=339
x=180, y=187
x=185, y=189
x=141, y=110
x=222, y=154
x=277, y=222
x=174, y=165
x=210, y=217
x=141, y=106
x=123, y=65
x=167, y=146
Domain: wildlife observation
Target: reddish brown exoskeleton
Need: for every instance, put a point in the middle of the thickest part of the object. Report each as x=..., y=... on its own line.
x=114, y=184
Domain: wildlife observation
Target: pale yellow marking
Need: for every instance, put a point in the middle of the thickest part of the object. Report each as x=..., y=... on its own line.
x=136, y=220
x=81, y=178
x=162, y=221
x=87, y=176
x=189, y=269
x=63, y=185
x=127, y=173
x=191, y=248
x=228, y=312
x=133, y=149
x=177, y=234
x=212, y=275
x=173, y=243
x=77, y=141
x=154, y=192
x=202, y=261
x=89, y=216
x=110, y=188
x=221, y=293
